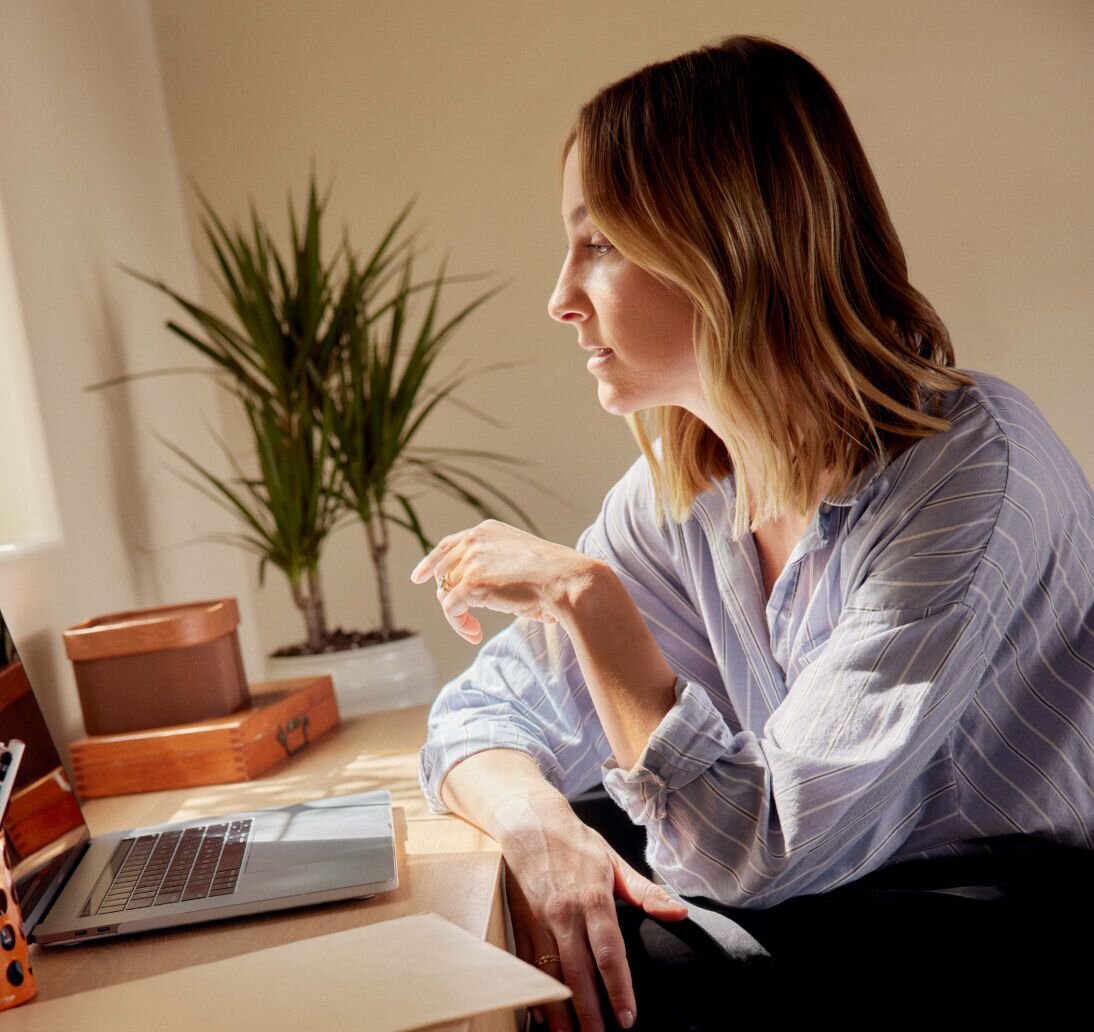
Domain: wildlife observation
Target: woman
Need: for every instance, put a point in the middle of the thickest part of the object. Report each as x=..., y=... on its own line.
x=831, y=631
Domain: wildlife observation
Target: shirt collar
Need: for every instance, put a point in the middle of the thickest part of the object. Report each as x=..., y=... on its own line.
x=859, y=482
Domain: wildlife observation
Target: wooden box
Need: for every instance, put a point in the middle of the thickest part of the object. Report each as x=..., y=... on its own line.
x=148, y=668
x=283, y=718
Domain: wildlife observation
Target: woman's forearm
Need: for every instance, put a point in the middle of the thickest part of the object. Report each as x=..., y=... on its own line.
x=630, y=684
x=501, y=791
x=629, y=680
x=499, y=567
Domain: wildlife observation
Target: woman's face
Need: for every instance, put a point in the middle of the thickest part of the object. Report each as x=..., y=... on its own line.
x=636, y=329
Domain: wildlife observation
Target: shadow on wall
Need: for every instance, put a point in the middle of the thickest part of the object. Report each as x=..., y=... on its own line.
x=129, y=503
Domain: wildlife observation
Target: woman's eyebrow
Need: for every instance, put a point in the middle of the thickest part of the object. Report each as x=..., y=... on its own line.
x=579, y=213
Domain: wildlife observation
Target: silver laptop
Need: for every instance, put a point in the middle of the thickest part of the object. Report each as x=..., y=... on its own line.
x=74, y=888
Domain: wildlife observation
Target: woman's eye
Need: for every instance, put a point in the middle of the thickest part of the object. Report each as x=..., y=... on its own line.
x=600, y=249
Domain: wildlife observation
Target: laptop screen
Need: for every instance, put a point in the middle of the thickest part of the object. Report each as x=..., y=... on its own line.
x=44, y=830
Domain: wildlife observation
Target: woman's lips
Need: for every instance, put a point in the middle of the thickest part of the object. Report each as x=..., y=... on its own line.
x=598, y=358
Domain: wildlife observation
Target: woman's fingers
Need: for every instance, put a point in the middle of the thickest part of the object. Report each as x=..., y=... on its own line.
x=641, y=892
x=495, y=566
x=592, y=953
x=610, y=953
x=525, y=949
x=580, y=975
x=571, y=900
x=445, y=565
x=558, y=1011
x=577, y=969
x=532, y=942
x=424, y=570
x=439, y=564
x=456, y=613
x=462, y=594
x=469, y=628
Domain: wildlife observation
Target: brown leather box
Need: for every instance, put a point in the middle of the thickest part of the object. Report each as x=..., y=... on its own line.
x=155, y=667
x=284, y=717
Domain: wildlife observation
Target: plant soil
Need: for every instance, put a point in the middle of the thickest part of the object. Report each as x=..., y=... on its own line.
x=339, y=640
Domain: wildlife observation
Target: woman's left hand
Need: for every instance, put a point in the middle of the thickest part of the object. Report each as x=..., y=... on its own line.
x=495, y=566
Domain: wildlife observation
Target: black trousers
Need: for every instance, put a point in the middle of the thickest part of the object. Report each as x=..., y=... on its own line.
x=991, y=935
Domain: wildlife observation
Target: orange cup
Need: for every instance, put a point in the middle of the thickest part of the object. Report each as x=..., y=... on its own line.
x=17, y=983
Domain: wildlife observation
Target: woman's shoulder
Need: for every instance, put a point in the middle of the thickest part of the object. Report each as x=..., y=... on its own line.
x=998, y=445
x=632, y=522
x=997, y=476
x=995, y=414
x=634, y=497
x=998, y=404
x=627, y=513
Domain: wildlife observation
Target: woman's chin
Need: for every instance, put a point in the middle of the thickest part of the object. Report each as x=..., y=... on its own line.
x=614, y=402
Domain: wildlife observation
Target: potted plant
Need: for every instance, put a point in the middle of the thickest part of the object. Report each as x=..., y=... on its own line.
x=335, y=387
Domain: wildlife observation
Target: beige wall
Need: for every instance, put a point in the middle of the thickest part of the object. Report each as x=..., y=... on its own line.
x=974, y=116
x=88, y=177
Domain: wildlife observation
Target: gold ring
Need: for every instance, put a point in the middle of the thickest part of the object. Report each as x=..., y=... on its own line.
x=548, y=958
x=445, y=584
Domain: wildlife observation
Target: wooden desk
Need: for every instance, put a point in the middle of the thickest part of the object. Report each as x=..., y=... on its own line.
x=452, y=868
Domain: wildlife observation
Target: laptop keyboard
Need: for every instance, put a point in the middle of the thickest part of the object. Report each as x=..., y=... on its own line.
x=176, y=866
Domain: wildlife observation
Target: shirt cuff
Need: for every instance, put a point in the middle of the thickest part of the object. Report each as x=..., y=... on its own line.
x=687, y=742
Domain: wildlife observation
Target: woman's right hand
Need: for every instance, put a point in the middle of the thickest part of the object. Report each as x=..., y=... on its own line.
x=562, y=881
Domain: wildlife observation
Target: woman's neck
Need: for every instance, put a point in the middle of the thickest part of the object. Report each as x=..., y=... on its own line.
x=776, y=539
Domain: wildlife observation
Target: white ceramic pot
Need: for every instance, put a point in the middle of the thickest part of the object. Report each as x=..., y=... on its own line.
x=366, y=680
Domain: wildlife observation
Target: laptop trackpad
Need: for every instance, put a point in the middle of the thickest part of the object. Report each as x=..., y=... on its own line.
x=306, y=835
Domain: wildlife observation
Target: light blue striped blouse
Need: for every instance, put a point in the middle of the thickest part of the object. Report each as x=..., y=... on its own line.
x=921, y=677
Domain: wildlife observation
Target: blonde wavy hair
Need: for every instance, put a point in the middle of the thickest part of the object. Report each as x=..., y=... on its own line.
x=733, y=173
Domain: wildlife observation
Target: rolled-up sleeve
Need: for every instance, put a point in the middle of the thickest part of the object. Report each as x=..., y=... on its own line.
x=691, y=737
x=834, y=785
x=524, y=691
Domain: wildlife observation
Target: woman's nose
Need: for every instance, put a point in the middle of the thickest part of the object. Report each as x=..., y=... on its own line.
x=568, y=302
